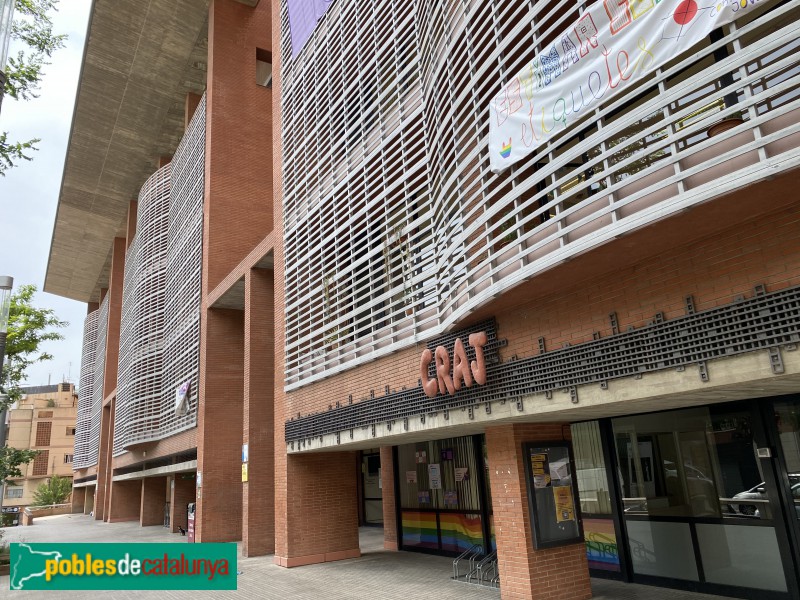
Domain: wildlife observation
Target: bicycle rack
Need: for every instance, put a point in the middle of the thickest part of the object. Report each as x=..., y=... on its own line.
x=471, y=555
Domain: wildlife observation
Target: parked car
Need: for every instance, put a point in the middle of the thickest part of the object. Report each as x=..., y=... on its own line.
x=759, y=493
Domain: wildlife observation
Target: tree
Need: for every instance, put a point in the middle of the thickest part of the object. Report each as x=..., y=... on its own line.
x=10, y=461
x=28, y=328
x=32, y=27
x=55, y=491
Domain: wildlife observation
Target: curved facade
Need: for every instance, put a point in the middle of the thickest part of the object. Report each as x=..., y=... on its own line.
x=98, y=379
x=86, y=392
x=396, y=229
x=160, y=324
x=139, y=385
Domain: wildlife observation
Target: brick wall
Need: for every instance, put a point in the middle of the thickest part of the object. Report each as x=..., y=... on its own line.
x=321, y=519
x=125, y=500
x=181, y=493
x=153, y=499
x=78, y=499
x=560, y=573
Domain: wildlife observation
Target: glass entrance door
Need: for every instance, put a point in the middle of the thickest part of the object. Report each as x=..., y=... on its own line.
x=699, y=500
x=373, y=493
x=787, y=430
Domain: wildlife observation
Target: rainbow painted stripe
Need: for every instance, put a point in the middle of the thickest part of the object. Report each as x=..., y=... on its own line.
x=601, y=544
x=459, y=532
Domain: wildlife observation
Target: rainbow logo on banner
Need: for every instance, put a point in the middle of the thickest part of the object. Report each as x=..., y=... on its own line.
x=505, y=150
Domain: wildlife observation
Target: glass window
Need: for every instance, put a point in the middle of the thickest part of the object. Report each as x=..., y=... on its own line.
x=698, y=462
x=13, y=492
x=590, y=468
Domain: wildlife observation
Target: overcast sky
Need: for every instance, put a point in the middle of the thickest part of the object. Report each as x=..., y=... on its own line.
x=29, y=192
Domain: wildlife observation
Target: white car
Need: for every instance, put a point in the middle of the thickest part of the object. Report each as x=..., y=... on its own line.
x=759, y=493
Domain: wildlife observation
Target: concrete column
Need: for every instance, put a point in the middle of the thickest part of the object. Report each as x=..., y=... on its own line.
x=219, y=426
x=550, y=574
x=258, y=500
x=153, y=500
x=181, y=493
x=390, y=539
x=125, y=500
x=103, y=492
x=321, y=502
x=78, y=499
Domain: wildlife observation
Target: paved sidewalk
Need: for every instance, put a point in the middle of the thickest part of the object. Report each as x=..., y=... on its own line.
x=378, y=574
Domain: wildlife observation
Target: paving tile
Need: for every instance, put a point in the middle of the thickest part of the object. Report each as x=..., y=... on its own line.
x=378, y=574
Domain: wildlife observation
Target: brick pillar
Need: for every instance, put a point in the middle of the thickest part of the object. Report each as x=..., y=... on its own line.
x=390, y=541
x=78, y=499
x=321, y=504
x=125, y=500
x=154, y=496
x=237, y=211
x=88, y=505
x=556, y=573
x=115, y=283
x=219, y=426
x=181, y=493
x=258, y=500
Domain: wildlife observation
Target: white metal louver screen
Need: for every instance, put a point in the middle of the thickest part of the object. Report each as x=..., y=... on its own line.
x=394, y=226
x=139, y=383
x=83, y=422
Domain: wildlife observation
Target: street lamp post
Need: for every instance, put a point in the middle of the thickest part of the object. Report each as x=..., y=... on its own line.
x=6, y=283
x=6, y=12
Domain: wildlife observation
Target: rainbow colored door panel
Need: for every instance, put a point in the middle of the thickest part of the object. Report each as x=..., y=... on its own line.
x=601, y=544
x=460, y=531
x=420, y=530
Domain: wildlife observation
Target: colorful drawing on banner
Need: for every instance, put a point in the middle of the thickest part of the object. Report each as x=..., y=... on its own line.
x=411, y=477
x=608, y=50
x=424, y=497
x=451, y=498
x=447, y=454
x=422, y=457
x=541, y=470
x=434, y=476
x=462, y=474
x=565, y=508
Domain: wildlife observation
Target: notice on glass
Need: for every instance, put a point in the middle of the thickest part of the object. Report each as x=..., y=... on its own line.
x=424, y=497
x=451, y=498
x=422, y=457
x=565, y=508
x=462, y=473
x=541, y=470
x=435, y=476
x=411, y=477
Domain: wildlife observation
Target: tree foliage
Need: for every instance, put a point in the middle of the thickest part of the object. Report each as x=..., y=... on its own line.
x=33, y=28
x=10, y=461
x=55, y=491
x=28, y=328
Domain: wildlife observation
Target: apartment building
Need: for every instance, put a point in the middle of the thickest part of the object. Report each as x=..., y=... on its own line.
x=515, y=277
x=44, y=420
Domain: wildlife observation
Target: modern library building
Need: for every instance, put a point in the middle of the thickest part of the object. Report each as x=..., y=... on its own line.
x=513, y=279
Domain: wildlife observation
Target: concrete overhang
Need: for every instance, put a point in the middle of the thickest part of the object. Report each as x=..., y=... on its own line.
x=140, y=60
